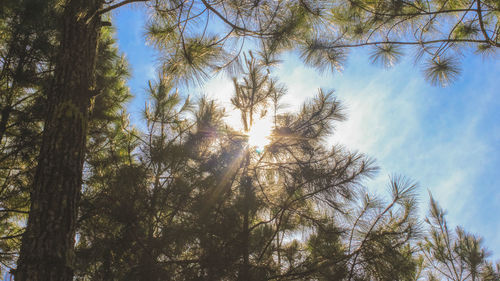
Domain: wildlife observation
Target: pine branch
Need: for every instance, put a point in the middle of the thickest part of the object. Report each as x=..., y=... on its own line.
x=481, y=24
x=117, y=5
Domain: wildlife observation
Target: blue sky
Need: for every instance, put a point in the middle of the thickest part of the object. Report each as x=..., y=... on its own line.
x=446, y=139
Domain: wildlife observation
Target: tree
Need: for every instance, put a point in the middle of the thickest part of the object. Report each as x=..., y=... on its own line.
x=129, y=196
x=27, y=72
x=47, y=247
x=277, y=25
x=454, y=255
x=25, y=57
x=192, y=200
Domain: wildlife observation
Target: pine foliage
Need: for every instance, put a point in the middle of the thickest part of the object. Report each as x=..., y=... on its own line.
x=197, y=36
x=189, y=199
x=26, y=50
x=27, y=57
x=454, y=255
x=184, y=196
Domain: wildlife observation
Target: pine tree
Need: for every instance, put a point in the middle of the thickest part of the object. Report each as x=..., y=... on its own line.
x=47, y=247
x=25, y=57
x=27, y=69
x=454, y=255
x=190, y=199
x=277, y=25
x=129, y=196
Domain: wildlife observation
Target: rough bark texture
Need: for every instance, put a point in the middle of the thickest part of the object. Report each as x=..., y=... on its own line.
x=4, y=119
x=47, y=252
x=244, y=273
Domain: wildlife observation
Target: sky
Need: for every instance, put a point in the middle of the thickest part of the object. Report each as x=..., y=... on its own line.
x=446, y=139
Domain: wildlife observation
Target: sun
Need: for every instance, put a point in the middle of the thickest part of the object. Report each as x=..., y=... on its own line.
x=259, y=135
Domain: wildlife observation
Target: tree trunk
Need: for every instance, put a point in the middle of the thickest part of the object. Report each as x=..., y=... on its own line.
x=47, y=252
x=4, y=120
x=244, y=272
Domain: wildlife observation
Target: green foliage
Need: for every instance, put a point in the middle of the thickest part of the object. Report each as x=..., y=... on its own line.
x=386, y=54
x=27, y=56
x=26, y=49
x=191, y=200
x=198, y=36
x=254, y=92
x=454, y=255
x=317, y=54
x=110, y=84
x=442, y=71
x=186, y=197
x=194, y=59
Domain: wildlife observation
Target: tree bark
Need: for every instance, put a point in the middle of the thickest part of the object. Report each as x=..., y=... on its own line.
x=47, y=252
x=4, y=120
x=244, y=272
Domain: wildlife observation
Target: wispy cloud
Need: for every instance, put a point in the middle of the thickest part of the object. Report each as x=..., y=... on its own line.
x=446, y=139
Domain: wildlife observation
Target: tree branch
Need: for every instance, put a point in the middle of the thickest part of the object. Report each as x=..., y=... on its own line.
x=118, y=5
x=481, y=24
x=406, y=43
x=233, y=26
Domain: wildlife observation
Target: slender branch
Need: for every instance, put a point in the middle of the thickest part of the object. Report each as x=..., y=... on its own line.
x=13, y=211
x=355, y=224
x=406, y=43
x=11, y=236
x=234, y=26
x=118, y=5
x=481, y=25
x=446, y=234
x=419, y=13
x=379, y=217
x=435, y=266
x=444, y=45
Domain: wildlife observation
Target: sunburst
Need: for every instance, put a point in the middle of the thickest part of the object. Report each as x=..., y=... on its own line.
x=259, y=135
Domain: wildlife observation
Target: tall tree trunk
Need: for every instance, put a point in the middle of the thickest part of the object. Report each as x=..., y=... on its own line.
x=4, y=120
x=47, y=252
x=244, y=272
